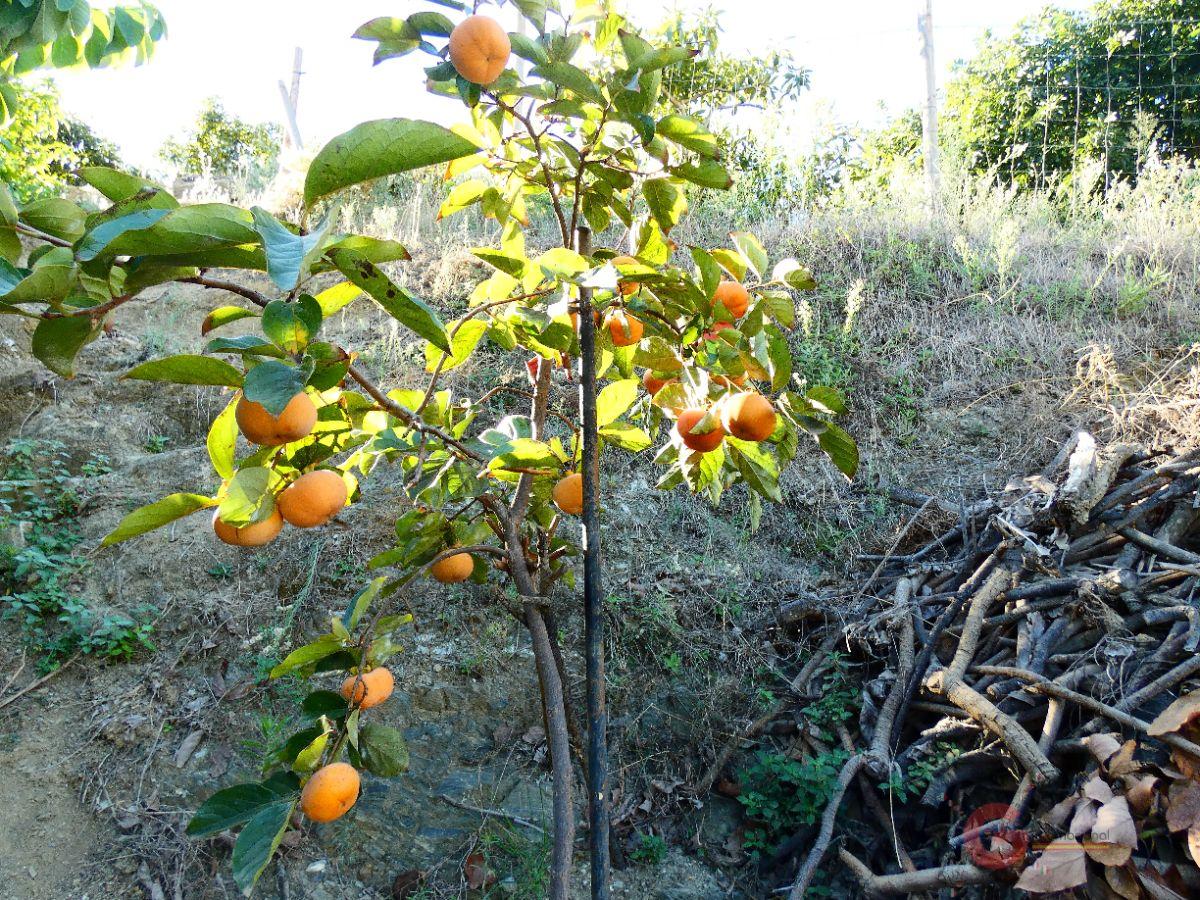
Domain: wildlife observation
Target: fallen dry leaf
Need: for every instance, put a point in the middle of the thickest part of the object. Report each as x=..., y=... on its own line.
x=1122, y=882
x=1140, y=793
x=1194, y=843
x=1114, y=835
x=1102, y=746
x=1084, y=818
x=1062, y=866
x=1098, y=789
x=1183, y=805
x=1176, y=716
x=1114, y=824
x=1122, y=763
x=187, y=748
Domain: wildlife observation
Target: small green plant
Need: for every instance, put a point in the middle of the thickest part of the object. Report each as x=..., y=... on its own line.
x=673, y=663
x=649, y=849
x=780, y=794
x=839, y=698
x=520, y=864
x=156, y=443
x=39, y=571
x=221, y=571
x=913, y=782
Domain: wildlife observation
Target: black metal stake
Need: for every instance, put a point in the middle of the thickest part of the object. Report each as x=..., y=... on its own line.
x=593, y=589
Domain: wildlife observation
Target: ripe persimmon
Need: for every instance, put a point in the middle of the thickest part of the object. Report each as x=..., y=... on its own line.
x=370, y=688
x=625, y=330
x=652, y=384
x=734, y=297
x=626, y=287
x=453, y=569
x=568, y=494
x=260, y=427
x=330, y=792
x=256, y=534
x=313, y=499
x=701, y=443
x=749, y=416
x=479, y=49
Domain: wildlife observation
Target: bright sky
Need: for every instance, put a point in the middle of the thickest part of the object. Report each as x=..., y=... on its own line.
x=864, y=56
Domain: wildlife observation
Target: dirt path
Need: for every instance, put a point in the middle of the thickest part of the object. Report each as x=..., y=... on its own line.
x=52, y=846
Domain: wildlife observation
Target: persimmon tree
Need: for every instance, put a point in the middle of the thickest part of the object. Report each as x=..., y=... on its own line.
x=690, y=347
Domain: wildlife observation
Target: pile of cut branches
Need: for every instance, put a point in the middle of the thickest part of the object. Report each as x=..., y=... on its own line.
x=1030, y=710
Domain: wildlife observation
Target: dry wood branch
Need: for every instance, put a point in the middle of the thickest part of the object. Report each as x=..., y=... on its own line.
x=918, y=882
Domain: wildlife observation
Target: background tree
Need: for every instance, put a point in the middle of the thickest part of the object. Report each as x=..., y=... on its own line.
x=1107, y=84
x=42, y=148
x=38, y=34
x=715, y=86
x=222, y=144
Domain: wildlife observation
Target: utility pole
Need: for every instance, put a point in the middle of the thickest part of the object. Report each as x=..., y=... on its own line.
x=291, y=100
x=930, y=119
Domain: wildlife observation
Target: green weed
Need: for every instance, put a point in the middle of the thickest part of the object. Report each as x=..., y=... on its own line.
x=40, y=574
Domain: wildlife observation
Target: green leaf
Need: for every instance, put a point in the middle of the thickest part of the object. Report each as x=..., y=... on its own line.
x=237, y=804
x=155, y=515
x=709, y=269
x=383, y=750
x=289, y=255
x=187, y=369
x=708, y=173
x=690, y=134
x=840, y=448
x=223, y=315
x=292, y=325
x=307, y=655
x=794, y=275
x=310, y=757
x=527, y=48
x=98, y=239
x=381, y=147
x=359, y=605
x=8, y=209
x=248, y=497
x=827, y=398
x=571, y=77
x=462, y=345
x=56, y=342
x=51, y=280
x=188, y=230
x=376, y=250
x=752, y=250
x=273, y=384
x=257, y=842
x=406, y=309
x=626, y=436
x=222, y=440
x=325, y=703
x=61, y=218
x=780, y=306
x=666, y=200
x=116, y=185
x=615, y=399
x=780, y=356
